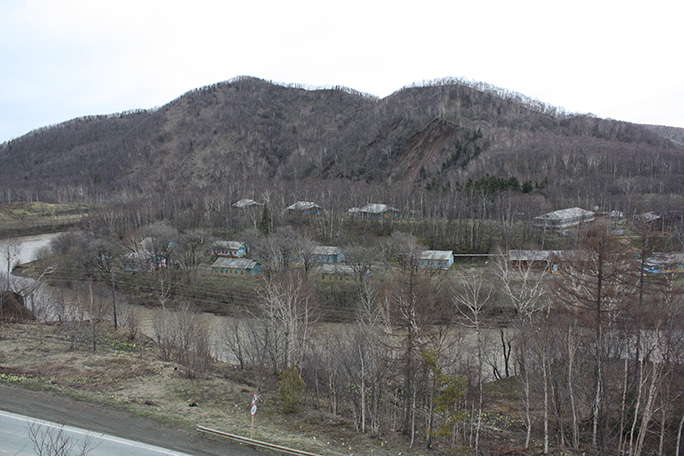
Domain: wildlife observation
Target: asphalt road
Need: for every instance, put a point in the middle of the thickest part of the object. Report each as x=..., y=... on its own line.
x=99, y=420
x=48, y=436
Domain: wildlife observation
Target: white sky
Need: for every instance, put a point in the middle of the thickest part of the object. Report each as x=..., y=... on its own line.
x=69, y=58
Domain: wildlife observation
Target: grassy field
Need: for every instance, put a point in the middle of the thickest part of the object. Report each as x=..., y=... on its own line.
x=30, y=218
x=126, y=376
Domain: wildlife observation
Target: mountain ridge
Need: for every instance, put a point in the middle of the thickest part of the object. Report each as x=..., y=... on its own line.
x=249, y=129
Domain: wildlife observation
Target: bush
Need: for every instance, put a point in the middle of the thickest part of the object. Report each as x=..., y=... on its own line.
x=291, y=389
x=65, y=242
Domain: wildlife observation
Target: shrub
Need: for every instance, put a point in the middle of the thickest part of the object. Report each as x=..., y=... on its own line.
x=291, y=389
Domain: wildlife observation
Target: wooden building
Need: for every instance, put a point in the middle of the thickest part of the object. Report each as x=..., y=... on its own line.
x=327, y=254
x=239, y=267
x=232, y=249
x=564, y=219
x=550, y=260
x=304, y=208
x=339, y=273
x=436, y=259
x=376, y=212
x=247, y=204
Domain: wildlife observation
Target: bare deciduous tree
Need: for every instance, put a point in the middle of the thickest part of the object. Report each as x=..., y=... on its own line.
x=287, y=309
x=471, y=299
x=524, y=287
x=10, y=252
x=596, y=285
x=183, y=336
x=53, y=441
x=192, y=248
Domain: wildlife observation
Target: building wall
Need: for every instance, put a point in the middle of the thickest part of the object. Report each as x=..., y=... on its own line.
x=236, y=272
x=314, y=211
x=231, y=253
x=326, y=258
x=438, y=264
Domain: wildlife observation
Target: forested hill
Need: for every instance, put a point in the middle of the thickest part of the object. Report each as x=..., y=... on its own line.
x=250, y=130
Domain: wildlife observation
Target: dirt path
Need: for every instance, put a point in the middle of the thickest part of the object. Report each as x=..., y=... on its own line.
x=99, y=419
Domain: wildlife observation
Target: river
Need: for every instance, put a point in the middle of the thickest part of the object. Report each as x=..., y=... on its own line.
x=41, y=296
x=145, y=316
x=35, y=296
x=30, y=247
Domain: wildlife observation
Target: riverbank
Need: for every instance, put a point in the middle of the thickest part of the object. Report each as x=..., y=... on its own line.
x=27, y=219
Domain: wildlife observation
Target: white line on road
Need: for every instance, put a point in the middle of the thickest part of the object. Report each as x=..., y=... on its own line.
x=95, y=435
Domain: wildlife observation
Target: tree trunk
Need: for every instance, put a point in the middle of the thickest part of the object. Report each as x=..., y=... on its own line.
x=571, y=392
x=679, y=434
x=363, y=393
x=598, y=371
x=637, y=406
x=546, y=401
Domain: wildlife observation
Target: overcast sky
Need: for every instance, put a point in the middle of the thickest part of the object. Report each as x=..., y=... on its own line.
x=69, y=58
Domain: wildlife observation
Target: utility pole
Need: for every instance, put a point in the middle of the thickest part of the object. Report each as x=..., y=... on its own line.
x=111, y=269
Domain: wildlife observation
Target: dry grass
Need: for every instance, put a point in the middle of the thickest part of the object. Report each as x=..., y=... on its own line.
x=120, y=374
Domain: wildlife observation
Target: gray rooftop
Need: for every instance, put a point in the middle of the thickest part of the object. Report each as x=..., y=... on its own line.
x=303, y=205
x=537, y=255
x=666, y=258
x=436, y=254
x=649, y=216
x=336, y=268
x=233, y=245
x=562, y=214
x=234, y=263
x=326, y=250
x=377, y=208
x=246, y=203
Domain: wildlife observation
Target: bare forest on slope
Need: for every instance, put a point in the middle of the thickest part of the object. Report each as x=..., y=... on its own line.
x=483, y=356
x=246, y=135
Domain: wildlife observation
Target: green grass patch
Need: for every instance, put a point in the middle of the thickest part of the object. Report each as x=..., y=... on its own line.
x=22, y=211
